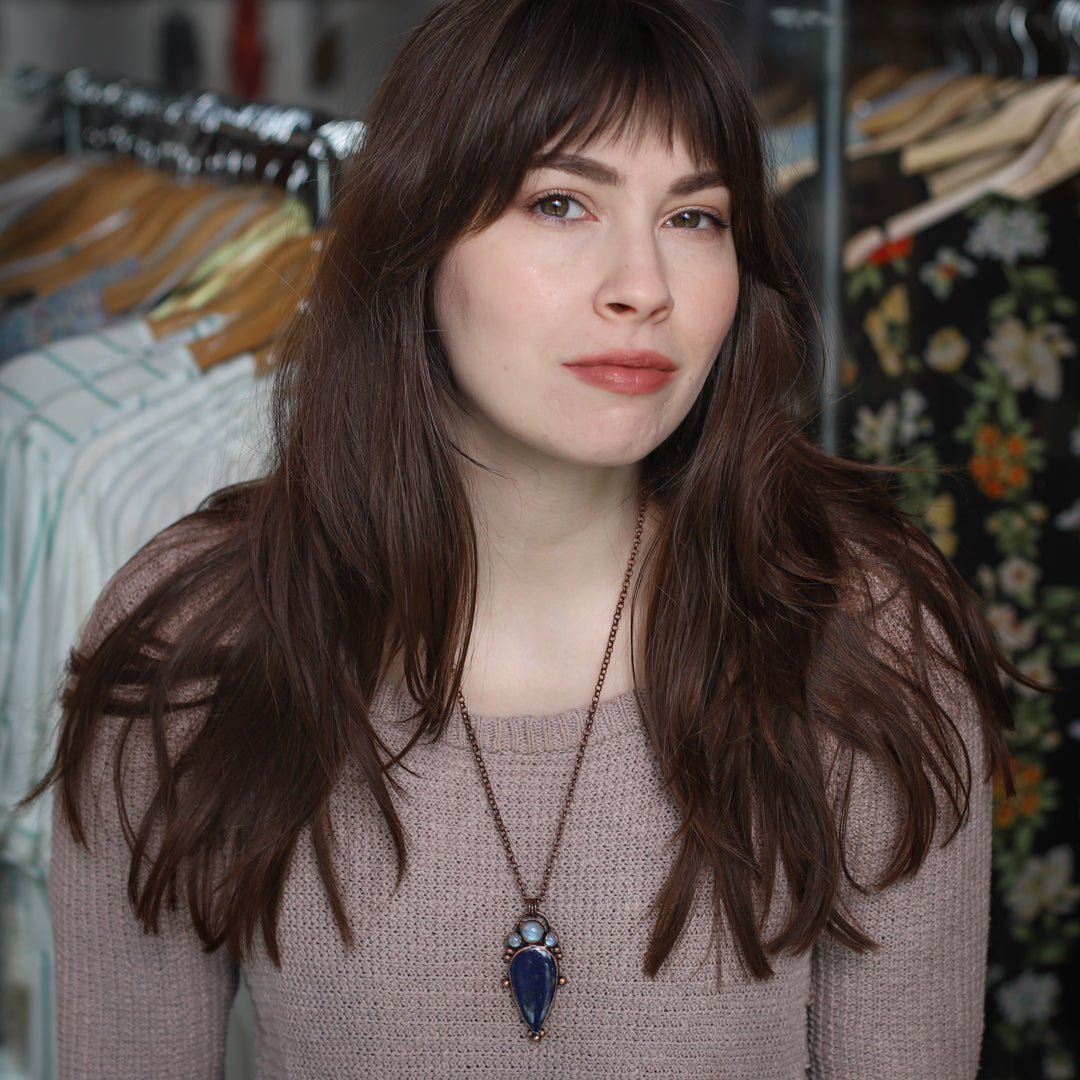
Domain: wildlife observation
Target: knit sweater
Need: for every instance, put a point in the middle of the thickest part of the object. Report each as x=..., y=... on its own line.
x=419, y=993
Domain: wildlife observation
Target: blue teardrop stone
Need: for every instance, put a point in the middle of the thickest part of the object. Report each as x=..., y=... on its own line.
x=533, y=973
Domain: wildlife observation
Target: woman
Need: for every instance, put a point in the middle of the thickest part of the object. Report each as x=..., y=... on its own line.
x=336, y=728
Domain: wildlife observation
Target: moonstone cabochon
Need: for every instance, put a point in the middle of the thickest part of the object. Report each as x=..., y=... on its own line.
x=532, y=931
x=533, y=978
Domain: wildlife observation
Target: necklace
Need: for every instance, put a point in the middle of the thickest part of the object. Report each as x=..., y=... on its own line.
x=532, y=952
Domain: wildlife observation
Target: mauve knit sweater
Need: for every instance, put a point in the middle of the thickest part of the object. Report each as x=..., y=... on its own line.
x=419, y=994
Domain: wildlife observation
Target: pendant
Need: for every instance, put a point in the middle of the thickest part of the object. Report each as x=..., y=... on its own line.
x=532, y=953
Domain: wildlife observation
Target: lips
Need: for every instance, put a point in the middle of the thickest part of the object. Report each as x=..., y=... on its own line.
x=624, y=371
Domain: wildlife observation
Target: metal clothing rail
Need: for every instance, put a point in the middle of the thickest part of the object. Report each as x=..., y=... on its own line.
x=199, y=133
x=828, y=21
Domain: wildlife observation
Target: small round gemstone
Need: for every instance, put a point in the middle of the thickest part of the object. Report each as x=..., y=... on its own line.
x=532, y=931
x=514, y=941
x=550, y=940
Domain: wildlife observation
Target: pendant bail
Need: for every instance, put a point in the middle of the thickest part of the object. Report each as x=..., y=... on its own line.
x=532, y=907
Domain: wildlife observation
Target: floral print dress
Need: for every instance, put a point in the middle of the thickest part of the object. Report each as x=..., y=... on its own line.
x=962, y=352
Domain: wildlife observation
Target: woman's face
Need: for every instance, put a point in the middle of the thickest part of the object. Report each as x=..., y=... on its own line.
x=581, y=324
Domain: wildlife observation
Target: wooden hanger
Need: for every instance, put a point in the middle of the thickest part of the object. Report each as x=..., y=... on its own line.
x=909, y=106
x=153, y=215
x=64, y=216
x=942, y=181
x=219, y=270
x=18, y=162
x=266, y=358
x=880, y=80
x=259, y=281
x=780, y=98
x=1060, y=162
x=264, y=309
x=929, y=213
x=1015, y=123
x=235, y=211
x=236, y=290
x=944, y=106
x=933, y=107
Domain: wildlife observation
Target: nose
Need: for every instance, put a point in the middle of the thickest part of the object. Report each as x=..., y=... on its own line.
x=635, y=285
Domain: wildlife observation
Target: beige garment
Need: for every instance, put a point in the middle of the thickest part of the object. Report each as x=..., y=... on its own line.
x=419, y=995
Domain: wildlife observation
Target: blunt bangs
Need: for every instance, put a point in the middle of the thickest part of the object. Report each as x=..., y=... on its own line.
x=624, y=68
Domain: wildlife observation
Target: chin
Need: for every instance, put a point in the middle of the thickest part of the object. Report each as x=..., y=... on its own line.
x=620, y=449
x=611, y=457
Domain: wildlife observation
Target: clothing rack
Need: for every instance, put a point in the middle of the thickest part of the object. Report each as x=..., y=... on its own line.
x=1020, y=38
x=123, y=385
x=202, y=133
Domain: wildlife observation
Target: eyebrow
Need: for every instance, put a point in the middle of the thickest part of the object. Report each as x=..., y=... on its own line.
x=599, y=173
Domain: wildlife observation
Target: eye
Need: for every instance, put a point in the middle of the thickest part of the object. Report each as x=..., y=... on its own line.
x=695, y=219
x=557, y=204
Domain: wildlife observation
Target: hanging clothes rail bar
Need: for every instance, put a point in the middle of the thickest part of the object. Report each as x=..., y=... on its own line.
x=203, y=133
x=830, y=23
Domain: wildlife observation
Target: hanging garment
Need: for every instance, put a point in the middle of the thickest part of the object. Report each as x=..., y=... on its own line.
x=963, y=348
x=144, y=472
x=51, y=402
x=109, y=435
x=116, y=449
x=76, y=309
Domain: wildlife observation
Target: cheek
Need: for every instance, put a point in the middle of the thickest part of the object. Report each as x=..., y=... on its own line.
x=476, y=326
x=713, y=297
x=476, y=298
x=725, y=321
x=459, y=306
x=725, y=288
x=711, y=303
x=447, y=301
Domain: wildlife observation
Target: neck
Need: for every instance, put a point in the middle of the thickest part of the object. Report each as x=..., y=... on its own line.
x=553, y=544
x=559, y=529
x=540, y=518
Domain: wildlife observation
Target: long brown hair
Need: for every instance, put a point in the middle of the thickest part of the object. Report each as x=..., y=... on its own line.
x=760, y=589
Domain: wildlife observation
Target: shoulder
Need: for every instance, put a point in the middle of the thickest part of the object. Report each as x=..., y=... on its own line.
x=921, y=619
x=125, y=690
x=913, y=607
x=169, y=563
x=922, y=712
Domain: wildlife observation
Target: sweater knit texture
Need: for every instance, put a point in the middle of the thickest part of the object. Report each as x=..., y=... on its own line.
x=419, y=993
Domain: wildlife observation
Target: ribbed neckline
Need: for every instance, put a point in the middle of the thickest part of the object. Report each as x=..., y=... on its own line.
x=522, y=734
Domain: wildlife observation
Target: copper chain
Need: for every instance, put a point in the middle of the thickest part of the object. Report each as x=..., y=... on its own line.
x=532, y=903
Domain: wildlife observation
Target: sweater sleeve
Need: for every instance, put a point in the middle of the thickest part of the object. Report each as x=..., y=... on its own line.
x=129, y=1004
x=913, y=1007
